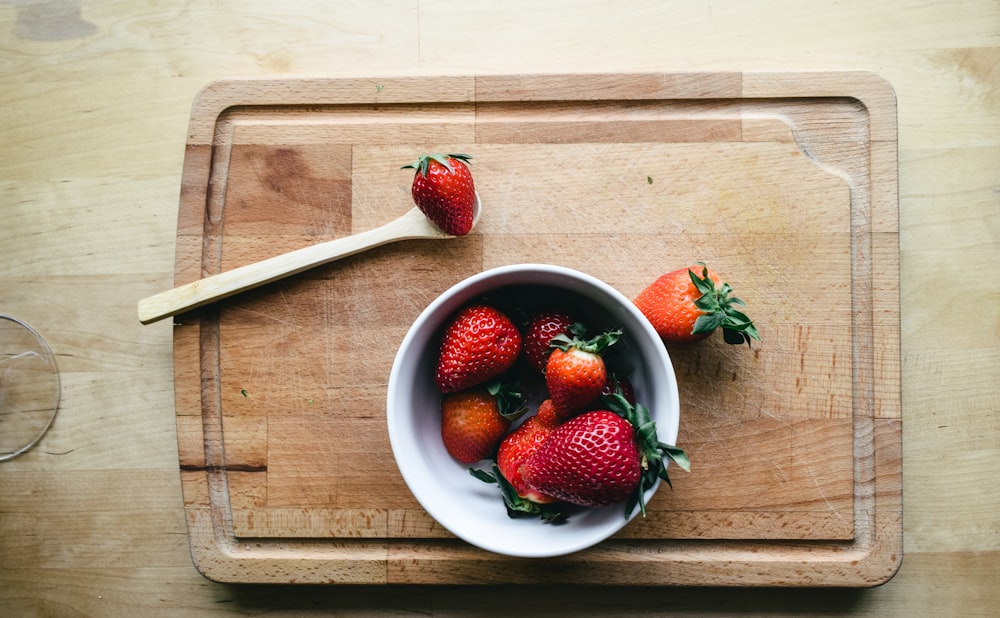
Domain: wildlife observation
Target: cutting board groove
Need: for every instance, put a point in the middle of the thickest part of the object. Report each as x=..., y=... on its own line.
x=785, y=183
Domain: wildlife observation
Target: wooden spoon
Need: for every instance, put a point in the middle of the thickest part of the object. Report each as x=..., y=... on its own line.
x=413, y=224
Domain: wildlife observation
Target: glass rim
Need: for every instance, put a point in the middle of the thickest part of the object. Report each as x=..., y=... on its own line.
x=50, y=359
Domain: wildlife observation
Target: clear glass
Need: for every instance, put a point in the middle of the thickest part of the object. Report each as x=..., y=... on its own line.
x=29, y=387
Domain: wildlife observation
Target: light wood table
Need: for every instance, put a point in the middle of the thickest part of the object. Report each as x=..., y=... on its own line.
x=94, y=104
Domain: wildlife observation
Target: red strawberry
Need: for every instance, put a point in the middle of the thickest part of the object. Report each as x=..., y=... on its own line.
x=602, y=457
x=474, y=421
x=590, y=460
x=479, y=343
x=443, y=190
x=541, y=328
x=575, y=373
x=514, y=450
x=522, y=443
x=684, y=307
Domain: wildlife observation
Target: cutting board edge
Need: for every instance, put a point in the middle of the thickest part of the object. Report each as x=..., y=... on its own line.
x=875, y=92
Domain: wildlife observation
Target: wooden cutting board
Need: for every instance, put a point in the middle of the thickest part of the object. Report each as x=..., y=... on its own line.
x=784, y=183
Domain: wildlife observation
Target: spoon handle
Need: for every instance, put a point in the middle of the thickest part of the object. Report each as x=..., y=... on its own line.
x=413, y=224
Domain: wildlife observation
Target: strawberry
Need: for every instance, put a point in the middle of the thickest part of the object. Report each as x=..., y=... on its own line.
x=514, y=450
x=522, y=443
x=541, y=328
x=479, y=343
x=602, y=457
x=575, y=373
x=443, y=190
x=684, y=307
x=590, y=460
x=474, y=421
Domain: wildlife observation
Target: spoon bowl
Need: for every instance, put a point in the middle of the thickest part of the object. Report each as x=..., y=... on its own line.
x=413, y=224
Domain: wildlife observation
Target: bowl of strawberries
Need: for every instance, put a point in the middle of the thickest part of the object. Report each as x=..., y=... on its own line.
x=533, y=410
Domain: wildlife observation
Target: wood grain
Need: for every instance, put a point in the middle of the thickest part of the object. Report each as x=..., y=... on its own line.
x=760, y=175
x=411, y=225
x=93, y=159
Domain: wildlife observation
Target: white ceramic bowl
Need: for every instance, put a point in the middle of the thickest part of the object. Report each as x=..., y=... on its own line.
x=469, y=508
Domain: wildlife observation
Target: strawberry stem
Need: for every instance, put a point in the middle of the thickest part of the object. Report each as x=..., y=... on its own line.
x=423, y=163
x=516, y=505
x=653, y=453
x=510, y=401
x=719, y=311
x=595, y=346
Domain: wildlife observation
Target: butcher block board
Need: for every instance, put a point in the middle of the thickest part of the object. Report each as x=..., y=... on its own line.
x=783, y=183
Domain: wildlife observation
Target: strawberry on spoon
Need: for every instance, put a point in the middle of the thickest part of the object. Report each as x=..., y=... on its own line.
x=444, y=191
x=414, y=223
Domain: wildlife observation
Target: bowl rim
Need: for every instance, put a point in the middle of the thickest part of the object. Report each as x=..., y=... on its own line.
x=463, y=292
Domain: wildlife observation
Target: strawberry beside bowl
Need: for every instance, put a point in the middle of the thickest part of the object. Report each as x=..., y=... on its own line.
x=467, y=507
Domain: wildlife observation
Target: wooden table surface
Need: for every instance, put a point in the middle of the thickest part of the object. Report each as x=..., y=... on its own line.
x=94, y=106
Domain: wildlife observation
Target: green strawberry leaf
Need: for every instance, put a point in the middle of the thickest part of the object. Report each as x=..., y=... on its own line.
x=736, y=319
x=510, y=400
x=636, y=499
x=483, y=476
x=652, y=451
x=718, y=310
x=676, y=455
x=633, y=500
x=703, y=284
x=596, y=345
x=552, y=513
x=423, y=163
x=516, y=505
x=647, y=433
x=707, y=302
x=707, y=323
